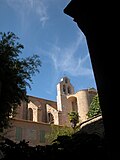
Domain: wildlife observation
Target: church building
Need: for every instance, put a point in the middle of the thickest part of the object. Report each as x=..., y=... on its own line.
x=34, y=119
x=42, y=110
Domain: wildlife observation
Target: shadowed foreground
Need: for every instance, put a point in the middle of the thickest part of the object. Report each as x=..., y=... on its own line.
x=79, y=145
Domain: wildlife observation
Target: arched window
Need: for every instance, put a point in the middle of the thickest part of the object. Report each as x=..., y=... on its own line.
x=50, y=118
x=64, y=89
x=30, y=114
x=69, y=90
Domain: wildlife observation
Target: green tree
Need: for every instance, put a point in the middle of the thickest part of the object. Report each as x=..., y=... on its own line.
x=74, y=118
x=57, y=131
x=94, y=107
x=15, y=75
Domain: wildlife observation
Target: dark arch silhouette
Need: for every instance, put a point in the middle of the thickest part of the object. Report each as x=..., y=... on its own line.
x=99, y=22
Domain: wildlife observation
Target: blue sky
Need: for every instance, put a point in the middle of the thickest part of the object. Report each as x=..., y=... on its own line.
x=44, y=29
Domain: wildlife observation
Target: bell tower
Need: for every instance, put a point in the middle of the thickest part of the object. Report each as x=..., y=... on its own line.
x=64, y=89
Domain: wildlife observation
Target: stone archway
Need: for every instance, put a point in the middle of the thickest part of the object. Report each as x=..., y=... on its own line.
x=73, y=102
x=52, y=115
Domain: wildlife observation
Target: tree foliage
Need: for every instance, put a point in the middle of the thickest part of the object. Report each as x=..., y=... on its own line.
x=94, y=107
x=57, y=131
x=74, y=118
x=15, y=75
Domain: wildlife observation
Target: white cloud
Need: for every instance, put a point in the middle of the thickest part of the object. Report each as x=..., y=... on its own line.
x=26, y=7
x=68, y=59
x=65, y=60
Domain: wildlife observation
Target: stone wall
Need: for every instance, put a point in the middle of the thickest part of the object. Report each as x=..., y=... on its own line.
x=93, y=125
x=34, y=132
